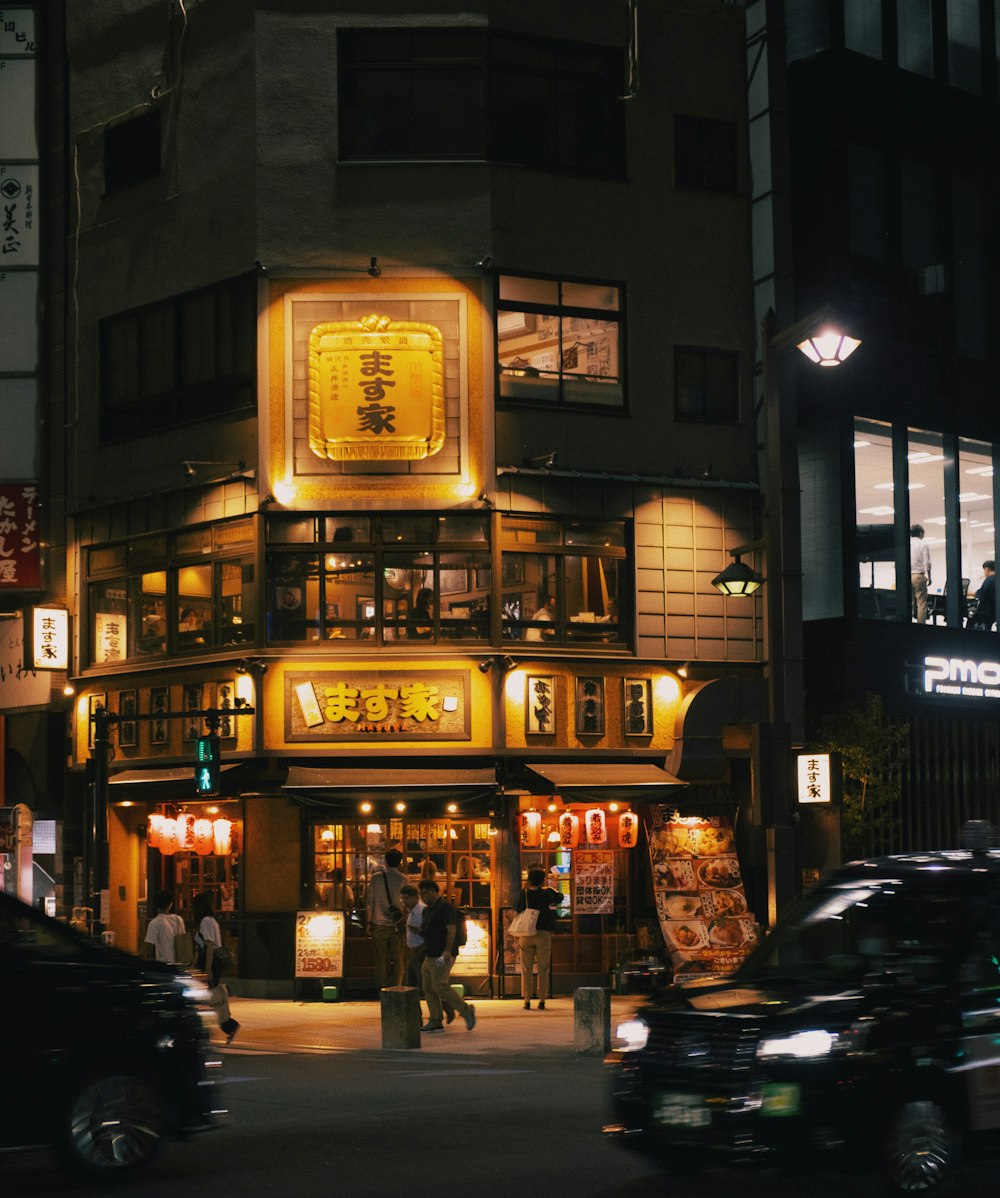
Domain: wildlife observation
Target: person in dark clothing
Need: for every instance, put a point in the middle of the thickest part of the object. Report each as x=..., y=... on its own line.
x=438, y=931
x=986, y=598
x=537, y=949
x=422, y=616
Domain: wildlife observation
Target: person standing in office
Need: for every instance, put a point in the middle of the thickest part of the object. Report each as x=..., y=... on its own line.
x=920, y=571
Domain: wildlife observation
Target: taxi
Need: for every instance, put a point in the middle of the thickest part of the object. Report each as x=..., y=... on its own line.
x=865, y=1028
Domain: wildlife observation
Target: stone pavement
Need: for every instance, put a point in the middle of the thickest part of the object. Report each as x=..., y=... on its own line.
x=502, y=1026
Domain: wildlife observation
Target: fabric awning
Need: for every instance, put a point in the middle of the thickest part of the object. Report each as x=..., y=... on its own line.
x=639, y=781
x=329, y=786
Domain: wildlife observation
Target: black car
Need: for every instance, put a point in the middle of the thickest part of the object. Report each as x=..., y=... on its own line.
x=104, y=1054
x=865, y=1028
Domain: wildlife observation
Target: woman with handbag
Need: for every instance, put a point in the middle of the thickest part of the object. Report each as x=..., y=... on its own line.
x=536, y=947
x=214, y=959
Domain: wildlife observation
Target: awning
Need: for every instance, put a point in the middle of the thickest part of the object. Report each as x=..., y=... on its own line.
x=328, y=786
x=638, y=781
x=179, y=773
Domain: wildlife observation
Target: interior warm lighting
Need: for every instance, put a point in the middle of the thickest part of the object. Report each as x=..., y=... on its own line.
x=452, y=808
x=283, y=492
x=612, y=806
x=400, y=807
x=682, y=670
x=738, y=579
x=69, y=690
x=326, y=834
x=366, y=808
x=828, y=347
x=466, y=490
x=595, y=824
x=628, y=830
x=552, y=807
x=553, y=837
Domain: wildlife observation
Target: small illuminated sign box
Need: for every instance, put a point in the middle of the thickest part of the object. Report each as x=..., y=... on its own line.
x=815, y=778
x=50, y=638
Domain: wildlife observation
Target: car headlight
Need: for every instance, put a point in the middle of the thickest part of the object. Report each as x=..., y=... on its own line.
x=800, y=1045
x=632, y=1035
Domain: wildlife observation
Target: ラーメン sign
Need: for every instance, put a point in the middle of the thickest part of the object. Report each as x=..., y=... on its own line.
x=962, y=677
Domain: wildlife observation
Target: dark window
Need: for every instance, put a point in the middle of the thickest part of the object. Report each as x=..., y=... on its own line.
x=560, y=342
x=468, y=94
x=704, y=153
x=184, y=359
x=132, y=151
x=706, y=385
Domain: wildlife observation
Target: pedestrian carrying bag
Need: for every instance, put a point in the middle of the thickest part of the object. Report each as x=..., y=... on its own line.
x=524, y=923
x=394, y=912
x=184, y=948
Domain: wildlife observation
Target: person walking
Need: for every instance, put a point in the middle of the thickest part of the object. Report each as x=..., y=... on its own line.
x=164, y=928
x=537, y=949
x=386, y=925
x=439, y=956
x=920, y=571
x=208, y=938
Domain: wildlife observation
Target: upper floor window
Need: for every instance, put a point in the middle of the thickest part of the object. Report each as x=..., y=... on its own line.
x=477, y=94
x=158, y=596
x=560, y=342
x=706, y=385
x=132, y=150
x=187, y=358
x=704, y=153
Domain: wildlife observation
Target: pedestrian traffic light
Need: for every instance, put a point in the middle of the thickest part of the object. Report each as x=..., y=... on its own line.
x=208, y=765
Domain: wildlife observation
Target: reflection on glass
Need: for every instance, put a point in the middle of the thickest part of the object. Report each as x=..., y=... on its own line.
x=878, y=597
x=928, y=569
x=976, y=531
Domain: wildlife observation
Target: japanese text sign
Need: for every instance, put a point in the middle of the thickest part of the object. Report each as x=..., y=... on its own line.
x=20, y=548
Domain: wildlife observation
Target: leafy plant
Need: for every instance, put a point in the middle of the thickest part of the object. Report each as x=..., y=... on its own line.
x=872, y=747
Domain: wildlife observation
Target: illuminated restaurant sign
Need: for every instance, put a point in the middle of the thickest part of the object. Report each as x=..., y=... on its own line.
x=376, y=390
x=814, y=778
x=319, y=944
x=367, y=705
x=50, y=638
x=20, y=547
x=960, y=677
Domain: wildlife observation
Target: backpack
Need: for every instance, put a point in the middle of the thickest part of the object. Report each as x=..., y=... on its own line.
x=461, y=931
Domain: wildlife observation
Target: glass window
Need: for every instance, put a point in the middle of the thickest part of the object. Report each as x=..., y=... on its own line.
x=975, y=498
x=132, y=150
x=965, y=68
x=878, y=597
x=566, y=348
x=863, y=27
x=705, y=153
x=925, y=463
x=915, y=36
x=236, y=591
x=194, y=606
x=808, y=23
x=706, y=385
x=152, y=634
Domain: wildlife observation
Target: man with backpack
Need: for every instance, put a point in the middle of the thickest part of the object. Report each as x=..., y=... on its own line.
x=439, y=932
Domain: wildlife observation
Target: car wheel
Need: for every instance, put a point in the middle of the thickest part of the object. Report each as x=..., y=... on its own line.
x=922, y=1149
x=114, y=1126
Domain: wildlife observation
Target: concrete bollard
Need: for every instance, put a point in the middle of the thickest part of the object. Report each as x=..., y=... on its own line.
x=400, y=1017
x=591, y=1020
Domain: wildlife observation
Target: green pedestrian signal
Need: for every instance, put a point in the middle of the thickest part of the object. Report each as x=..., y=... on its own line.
x=208, y=765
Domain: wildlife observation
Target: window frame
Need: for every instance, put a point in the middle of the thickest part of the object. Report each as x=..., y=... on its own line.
x=711, y=415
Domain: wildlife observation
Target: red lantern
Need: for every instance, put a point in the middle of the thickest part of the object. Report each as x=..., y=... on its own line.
x=628, y=830
x=569, y=830
x=168, y=837
x=185, y=832
x=154, y=828
x=203, y=837
x=531, y=829
x=596, y=830
x=222, y=836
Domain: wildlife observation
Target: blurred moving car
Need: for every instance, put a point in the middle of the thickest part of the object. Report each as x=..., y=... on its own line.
x=104, y=1054
x=864, y=1029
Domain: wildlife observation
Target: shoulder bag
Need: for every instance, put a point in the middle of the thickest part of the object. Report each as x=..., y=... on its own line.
x=524, y=923
x=394, y=912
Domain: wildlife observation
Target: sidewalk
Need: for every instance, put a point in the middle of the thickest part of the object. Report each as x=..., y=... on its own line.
x=502, y=1026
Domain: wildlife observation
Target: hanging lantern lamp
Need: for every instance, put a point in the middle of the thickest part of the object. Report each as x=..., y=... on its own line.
x=204, y=838
x=222, y=836
x=628, y=830
x=596, y=828
x=154, y=828
x=168, y=837
x=531, y=829
x=569, y=829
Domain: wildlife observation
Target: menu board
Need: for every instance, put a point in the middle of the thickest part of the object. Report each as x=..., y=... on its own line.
x=319, y=944
x=702, y=907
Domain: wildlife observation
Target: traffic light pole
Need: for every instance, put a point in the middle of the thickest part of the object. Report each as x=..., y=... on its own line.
x=95, y=848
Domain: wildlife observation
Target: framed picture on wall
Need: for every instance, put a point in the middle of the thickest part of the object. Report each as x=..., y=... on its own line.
x=453, y=582
x=159, y=703
x=192, y=725
x=637, y=707
x=590, y=706
x=93, y=703
x=225, y=700
x=540, y=705
x=128, y=729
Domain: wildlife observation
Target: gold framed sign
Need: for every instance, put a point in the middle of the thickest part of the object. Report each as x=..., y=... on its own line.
x=376, y=390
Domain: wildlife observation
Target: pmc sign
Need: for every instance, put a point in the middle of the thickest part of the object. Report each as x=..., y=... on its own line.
x=962, y=677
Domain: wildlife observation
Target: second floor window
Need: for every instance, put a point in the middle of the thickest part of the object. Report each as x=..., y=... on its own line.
x=560, y=342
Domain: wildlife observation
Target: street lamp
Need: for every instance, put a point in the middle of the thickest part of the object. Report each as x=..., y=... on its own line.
x=828, y=346
x=738, y=578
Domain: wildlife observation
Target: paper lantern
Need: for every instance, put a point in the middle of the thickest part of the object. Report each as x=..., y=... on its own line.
x=154, y=828
x=222, y=836
x=628, y=830
x=204, y=840
x=169, y=843
x=531, y=829
x=569, y=830
x=185, y=832
x=595, y=826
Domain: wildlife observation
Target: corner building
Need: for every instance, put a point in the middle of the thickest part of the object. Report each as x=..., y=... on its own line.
x=410, y=408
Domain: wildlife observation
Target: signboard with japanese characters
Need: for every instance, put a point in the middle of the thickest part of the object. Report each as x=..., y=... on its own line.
x=698, y=888
x=594, y=881
x=376, y=390
x=20, y=548
x=50, y=638
x=814, y=778
x=377, y=705
x=319, y=944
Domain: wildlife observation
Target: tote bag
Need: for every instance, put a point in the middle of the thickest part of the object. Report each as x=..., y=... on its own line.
x=524, y=923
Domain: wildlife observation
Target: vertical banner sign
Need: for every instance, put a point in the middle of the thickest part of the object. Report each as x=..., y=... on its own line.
x=319, y=944
x=594, y=881
x=814, y=777
x=700, y=900
x=20, y=548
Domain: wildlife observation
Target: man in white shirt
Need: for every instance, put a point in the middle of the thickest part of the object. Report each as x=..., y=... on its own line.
x=920, y=571
x=162, y=930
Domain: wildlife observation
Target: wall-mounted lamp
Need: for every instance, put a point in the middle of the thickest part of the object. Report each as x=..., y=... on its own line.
x=189, y=467
x=738, y=579
x=373, y=267
x=682, y=669
x=504, y=661
x=544, y=461
x=485, y=263
x=251, y=665
x=828, y=347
